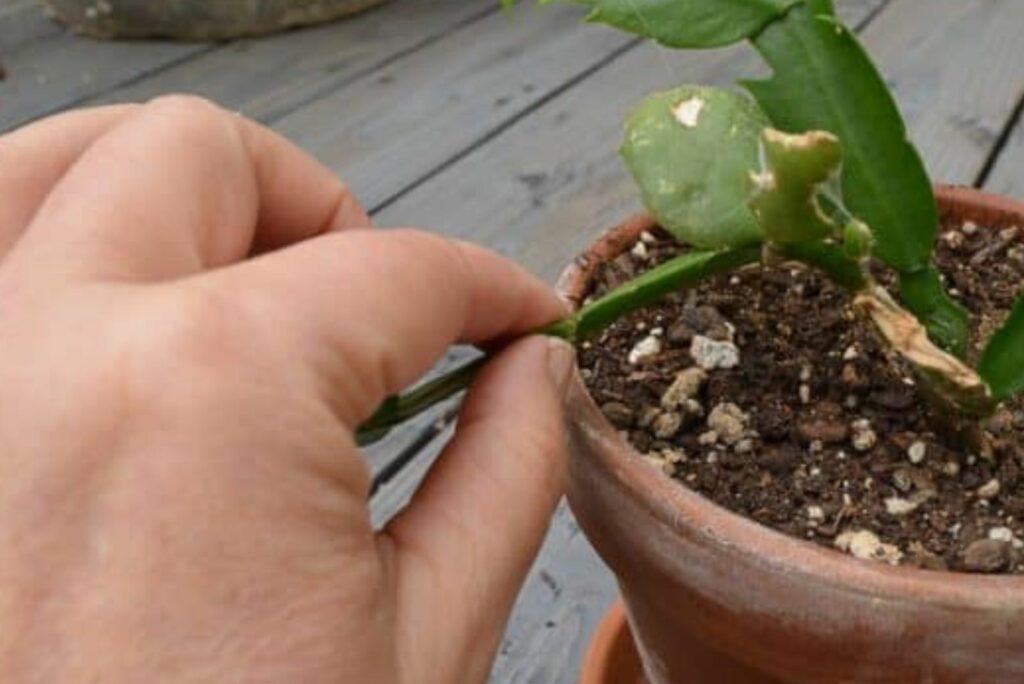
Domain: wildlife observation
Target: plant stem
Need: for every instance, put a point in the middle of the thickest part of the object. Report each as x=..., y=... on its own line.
x=684, y=270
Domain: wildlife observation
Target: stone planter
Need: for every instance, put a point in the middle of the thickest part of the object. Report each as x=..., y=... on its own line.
x=197, y=19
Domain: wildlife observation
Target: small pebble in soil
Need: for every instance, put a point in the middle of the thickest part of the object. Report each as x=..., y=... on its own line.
x=902, y=479
x=987, y=555
x=686, y=385
x=866, y=545
x=645, y=348
x=850, y=353
x=729, y=422
x=667, y=424
x=955, y=240
x=989, y=490
x=897, y=506
x=916, y=452
x=815, y=514
x=863, y=437
x=969, y=228
x=640, y=250
x=710, y=354
x=805, y=394
x=618, y=414
x=1002, y=533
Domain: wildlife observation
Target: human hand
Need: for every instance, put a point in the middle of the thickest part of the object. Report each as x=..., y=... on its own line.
x=181, y=497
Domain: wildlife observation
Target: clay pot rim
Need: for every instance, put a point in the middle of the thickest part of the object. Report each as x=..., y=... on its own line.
x=682, y=509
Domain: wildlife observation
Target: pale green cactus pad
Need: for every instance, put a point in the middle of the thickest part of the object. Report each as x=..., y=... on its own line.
x=785, y=199
x=691, y=151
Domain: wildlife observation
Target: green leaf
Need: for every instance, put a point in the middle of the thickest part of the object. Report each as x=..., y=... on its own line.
x=684, y=270
x=1002, y=363
x=691, y=151
x=785, y=199
x=947, y=321
x=858, y=241
x=685, y=23
x=823, y=80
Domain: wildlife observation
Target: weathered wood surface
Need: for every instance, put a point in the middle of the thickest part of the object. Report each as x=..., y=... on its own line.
x=269, y=77
x=503, y=130
x=64, y=70
x=957, y=74
x=21, y=22
x=1007, y=176
x=409, y=119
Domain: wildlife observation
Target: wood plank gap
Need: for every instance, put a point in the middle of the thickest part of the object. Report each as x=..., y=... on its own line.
x=427, y=435
x=504, y=126
x=1001, y=142
x=870, y=16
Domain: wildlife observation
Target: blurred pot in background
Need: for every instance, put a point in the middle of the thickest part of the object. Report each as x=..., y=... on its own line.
x=197, y=19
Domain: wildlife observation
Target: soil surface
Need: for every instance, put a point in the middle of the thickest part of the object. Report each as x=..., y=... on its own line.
x=761, y=390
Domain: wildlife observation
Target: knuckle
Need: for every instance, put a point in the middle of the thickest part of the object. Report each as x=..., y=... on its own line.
x=189, y=107
x=194, y=118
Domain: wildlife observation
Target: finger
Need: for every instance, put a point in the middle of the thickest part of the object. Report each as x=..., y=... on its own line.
x=35, y=157
x=179, y=187
x=371, y=311
x=461, y=550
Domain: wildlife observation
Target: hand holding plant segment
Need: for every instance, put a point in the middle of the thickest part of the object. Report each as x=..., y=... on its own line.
x=815, y=167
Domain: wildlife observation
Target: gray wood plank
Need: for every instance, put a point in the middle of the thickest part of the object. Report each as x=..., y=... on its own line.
x=957, y=71
x=389, y=130
x=392, y=497
x=46, y=76
x=1007, y=175
x=565, y=595
x=21, y=22
x=269, y=77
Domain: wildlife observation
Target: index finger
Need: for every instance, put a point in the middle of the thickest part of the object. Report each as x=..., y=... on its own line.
x=372, y=311
x=33, y=158
x=181, y=186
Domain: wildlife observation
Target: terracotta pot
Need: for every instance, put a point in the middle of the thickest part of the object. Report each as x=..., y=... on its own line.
x=715, y=598
x=612, y=656
x=197, y=19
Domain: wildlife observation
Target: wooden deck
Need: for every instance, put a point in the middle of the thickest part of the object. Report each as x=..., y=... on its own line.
x=503, y=129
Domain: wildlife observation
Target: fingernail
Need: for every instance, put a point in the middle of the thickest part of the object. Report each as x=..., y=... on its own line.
x=561, y=363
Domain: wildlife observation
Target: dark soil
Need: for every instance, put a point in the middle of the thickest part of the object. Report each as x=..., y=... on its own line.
x=816, y=431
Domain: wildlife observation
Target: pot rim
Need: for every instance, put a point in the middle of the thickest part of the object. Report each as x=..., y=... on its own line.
x=680, y=508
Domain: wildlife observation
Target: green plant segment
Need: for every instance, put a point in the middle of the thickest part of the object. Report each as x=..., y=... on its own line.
x=815, y=168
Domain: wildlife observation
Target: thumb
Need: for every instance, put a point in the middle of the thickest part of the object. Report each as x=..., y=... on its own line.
x=462, y=548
